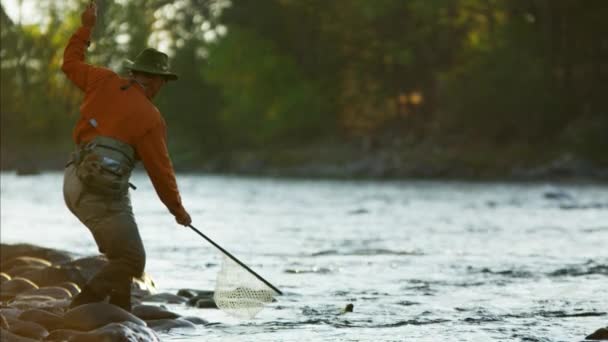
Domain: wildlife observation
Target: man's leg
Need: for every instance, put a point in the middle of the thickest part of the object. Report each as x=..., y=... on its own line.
x=114, y=228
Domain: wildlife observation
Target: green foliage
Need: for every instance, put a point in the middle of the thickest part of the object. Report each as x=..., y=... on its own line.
x=266, y=97
x=256, y=74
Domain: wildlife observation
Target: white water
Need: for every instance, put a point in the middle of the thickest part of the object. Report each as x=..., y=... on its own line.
x=420, y=261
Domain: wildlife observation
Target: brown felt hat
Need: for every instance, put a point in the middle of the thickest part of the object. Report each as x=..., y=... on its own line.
x=151, y=61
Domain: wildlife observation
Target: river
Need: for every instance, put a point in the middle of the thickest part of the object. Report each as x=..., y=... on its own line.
x=419, y=260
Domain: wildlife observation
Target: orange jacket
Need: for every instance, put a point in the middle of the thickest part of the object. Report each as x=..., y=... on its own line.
x=123, y=113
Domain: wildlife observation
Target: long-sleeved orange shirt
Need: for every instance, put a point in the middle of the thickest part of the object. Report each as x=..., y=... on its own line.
x=123, y=113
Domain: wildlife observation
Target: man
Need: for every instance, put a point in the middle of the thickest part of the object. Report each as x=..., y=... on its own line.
x=118, y=124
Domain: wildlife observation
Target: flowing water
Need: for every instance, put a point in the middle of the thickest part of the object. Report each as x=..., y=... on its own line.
x=419, y=260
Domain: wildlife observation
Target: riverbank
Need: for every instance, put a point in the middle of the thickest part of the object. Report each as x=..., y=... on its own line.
x=360, y=160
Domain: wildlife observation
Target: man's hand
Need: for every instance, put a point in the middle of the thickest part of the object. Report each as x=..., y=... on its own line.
x=184, y=219
x=89, y=16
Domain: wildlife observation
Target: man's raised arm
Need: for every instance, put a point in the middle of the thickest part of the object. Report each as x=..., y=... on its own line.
x=74, y=67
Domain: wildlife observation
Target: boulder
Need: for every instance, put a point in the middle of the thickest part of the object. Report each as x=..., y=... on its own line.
x=73, y=288
x=118, y=332
x=46, y=319
x=7, y=336
x=165, y=298
x=4, y=277
x=599, y=334
x=24, y=261
x=26, y=329
x=53, y=275
x=23, y=249
x=19, y=270
x=50, y=291
x=95, y=315
x=15, y=286
x=151, y=312
x=166, y=324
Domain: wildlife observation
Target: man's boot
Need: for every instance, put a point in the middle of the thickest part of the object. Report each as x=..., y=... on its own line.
x=121, y=299
x=86, y=296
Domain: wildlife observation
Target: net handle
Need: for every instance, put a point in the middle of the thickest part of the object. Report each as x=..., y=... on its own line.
x=235, y=259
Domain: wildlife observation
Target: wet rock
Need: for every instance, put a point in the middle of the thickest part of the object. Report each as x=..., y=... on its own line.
x=118, y=332
x=26, y=329
x=53, y=275
x=73, y=288
x=44, y=318
x=40, y=302
x=202, y=302
x=20, y=270
x=7, y=336
x=15, y=286
x=50, y=291
x=4, y=277
x=10, y=312
x=191, y=293
x=3, y=322
x=599, y=334
x=23, y=249
x=165, y=298
x=88, y=266
x=24, y=261
x=168, y=324
x=195, y=320
x=152, y=312
x=95, y=315
x=62, y=335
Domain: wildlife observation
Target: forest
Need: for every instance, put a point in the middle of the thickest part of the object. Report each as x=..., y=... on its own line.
x=344, y=88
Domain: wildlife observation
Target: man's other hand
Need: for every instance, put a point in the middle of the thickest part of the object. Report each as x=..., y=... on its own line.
x=89, y=16
x=184, y=219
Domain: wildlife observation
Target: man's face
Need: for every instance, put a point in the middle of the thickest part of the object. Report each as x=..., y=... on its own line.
x=155, y=82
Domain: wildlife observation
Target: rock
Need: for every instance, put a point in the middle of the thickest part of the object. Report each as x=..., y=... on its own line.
x=40, y=302
x=165, y=298
x=151, y=312
x=10, y=312
x=95, y=315
x=87, y=266
x=3, y=322
x=15, y=286
x=599, y=334
x=23, y=249
x=24, y=261
x=27, y=329
x=53, y=275
x=349, y=308
x=46, y=319
x=203, y=302
x=195, y=320
x=4, y=277
x=62, y=335
x=19, y=270
x=7, y=336
x=50, y=291
x=118, y=332
x=168, y=324
x=191, y=293
x=73, y=288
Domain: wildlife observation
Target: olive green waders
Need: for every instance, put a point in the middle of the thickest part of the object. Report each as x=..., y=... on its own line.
x=109, y=217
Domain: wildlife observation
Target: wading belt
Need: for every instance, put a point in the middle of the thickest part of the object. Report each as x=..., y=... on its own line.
x=104, y=165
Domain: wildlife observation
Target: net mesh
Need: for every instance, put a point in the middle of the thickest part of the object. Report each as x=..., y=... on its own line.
x=238, y=292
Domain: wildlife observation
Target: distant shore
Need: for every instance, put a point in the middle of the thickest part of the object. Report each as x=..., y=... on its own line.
x=347, y=161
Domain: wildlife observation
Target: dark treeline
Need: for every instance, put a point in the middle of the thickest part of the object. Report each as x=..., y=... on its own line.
x=484, y=83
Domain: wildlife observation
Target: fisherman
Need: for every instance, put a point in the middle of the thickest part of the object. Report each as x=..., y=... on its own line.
x=118, y=125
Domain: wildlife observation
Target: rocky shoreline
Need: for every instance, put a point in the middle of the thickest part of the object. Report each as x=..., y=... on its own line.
x=36, y=287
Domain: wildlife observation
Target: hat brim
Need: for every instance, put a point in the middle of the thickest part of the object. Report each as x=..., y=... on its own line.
x=128, y=64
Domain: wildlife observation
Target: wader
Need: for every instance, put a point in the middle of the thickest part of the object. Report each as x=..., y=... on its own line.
x=96, y=190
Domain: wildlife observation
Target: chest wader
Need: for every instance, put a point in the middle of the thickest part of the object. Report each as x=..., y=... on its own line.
x=104, y=166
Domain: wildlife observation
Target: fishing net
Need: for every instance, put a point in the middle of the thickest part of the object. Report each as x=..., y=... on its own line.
x=238, y=292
